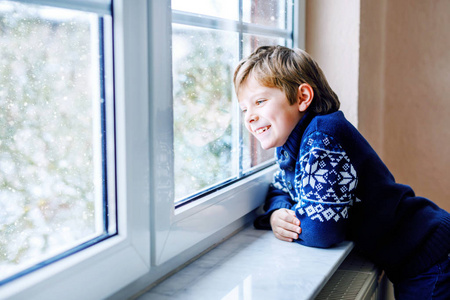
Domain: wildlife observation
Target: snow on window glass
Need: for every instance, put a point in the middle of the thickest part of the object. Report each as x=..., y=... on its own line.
x=203, y=62
x=267, y=12
x=50, y=159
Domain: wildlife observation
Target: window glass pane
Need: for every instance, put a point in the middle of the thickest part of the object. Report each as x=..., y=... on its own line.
x=204, y=118
x=251, y=42
x=267, y=12
x=227, y=9
x=211, y=147
x=51, y=166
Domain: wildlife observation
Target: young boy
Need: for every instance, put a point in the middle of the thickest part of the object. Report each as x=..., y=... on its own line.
x=331, y=185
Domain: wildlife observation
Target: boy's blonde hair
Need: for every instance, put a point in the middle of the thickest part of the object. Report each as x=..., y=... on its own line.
x=287, y=69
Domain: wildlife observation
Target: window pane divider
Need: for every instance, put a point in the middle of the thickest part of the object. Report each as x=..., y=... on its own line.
x=101, y=7
x=204, y=21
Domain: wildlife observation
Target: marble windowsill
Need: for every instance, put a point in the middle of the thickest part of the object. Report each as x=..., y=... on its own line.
x=253, y=264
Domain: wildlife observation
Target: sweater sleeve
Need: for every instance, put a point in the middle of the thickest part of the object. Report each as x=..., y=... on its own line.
x=277, y=197
x=325, y=183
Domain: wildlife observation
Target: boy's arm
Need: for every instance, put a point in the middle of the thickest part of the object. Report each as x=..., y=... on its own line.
x=326, y=185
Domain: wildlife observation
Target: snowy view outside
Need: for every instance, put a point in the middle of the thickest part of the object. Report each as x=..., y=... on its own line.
x=202, y=69
x=50, y=163
x=210, y=146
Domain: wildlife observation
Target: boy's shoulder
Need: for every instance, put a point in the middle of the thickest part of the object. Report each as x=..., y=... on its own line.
x=334, y=125
x=342, y=133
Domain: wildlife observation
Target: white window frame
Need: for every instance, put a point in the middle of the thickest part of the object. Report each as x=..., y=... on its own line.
x=153, y=238
x=104, y=268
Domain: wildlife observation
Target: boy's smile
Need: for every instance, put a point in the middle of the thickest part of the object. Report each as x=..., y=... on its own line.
x=268, y=115
x=261, y=130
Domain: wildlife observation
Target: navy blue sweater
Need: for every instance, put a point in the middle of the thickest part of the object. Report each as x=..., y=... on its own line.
x=340, y=189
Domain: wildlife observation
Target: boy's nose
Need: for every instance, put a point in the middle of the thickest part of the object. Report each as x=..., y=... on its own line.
x=252, y=118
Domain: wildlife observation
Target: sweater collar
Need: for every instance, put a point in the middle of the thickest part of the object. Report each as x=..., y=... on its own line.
x=292, y=145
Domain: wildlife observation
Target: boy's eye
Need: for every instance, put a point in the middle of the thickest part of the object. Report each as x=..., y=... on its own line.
x=259, y=102
x=244, y=110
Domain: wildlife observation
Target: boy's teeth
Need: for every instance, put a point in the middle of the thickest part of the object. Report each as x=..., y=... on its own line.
x=261, y=130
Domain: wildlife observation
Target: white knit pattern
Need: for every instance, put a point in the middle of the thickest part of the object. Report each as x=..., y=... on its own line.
x=326, y=181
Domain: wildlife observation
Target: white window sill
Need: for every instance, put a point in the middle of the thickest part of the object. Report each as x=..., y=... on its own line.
x=253, y=264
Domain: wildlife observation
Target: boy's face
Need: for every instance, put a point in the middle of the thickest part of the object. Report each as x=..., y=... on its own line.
x=268, y=115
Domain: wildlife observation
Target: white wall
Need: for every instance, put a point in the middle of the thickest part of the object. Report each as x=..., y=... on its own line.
x=332, y=38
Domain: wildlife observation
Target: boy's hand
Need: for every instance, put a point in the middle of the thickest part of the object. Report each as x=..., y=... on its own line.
x=285, y=224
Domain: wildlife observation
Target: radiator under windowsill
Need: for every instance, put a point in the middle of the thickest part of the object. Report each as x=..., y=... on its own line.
x=355, y=279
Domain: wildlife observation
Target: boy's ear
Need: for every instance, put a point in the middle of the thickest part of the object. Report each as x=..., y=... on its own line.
x=305, y=95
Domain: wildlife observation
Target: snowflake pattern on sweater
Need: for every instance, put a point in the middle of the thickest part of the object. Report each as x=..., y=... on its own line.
x=326, y=181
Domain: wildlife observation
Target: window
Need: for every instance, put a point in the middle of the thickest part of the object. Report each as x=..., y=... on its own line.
x=67, y=168
x=211, y=148
x=56, y=172
x=112, y=126
x=195, y=121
